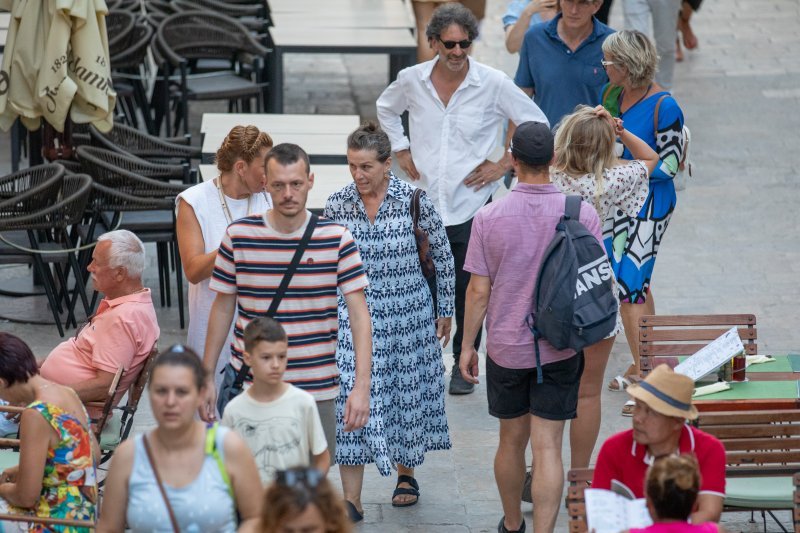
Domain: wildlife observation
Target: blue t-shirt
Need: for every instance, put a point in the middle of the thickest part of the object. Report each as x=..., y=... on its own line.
x=561, y=78
x=514, y=10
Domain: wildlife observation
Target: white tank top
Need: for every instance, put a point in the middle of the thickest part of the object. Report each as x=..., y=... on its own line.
x=204, y=199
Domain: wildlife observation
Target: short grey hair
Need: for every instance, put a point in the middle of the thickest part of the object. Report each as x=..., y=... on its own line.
x=448, y=14
x=127, y=251
x=636, y=52
x=370, y=136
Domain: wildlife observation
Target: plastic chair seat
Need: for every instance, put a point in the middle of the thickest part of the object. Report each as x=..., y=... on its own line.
x=759, y=492
x=110, y=436
x=137, y=221
x=227, y=85
x=8, y=458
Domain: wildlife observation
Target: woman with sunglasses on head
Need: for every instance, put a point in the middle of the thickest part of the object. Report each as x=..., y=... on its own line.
x=651, y=114
x=586, y=165
x=204, y=212
x=183, y=475
x=300, y=500
x=55, y=477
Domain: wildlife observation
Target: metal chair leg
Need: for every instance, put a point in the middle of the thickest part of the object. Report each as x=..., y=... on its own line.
x=47, y=281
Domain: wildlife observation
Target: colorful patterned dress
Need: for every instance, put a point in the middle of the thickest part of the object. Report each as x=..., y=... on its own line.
x=407, y=412
x=636, y=239
x=69, y=487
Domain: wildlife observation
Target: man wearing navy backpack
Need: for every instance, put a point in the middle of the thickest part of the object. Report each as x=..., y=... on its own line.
x=508, y=242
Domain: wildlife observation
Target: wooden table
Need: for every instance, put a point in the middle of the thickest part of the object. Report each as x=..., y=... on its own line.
x=398, y=44
x=323, y=137
x=343, y=19
x=753, y=395
x=367, y=7
x=329, y=149
x=5, y=22
x=219, y=124
x=327, y=180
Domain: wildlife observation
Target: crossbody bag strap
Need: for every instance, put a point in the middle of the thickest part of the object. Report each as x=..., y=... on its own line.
x=655, y=115
x=287, y=277
x=415, y=207
x=171, y=513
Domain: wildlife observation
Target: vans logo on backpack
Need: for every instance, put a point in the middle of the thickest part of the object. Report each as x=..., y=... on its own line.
x=574, y=304
x=592, y=275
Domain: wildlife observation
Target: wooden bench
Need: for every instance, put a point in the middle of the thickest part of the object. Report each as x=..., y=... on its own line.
x=762, y=453
x=578, y=480
x=669, y=336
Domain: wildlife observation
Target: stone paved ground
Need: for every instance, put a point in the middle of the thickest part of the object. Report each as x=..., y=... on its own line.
x=732, y=245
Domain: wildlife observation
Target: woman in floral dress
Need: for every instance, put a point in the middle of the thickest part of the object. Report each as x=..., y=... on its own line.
x=586, y=165
x=407, y=415
x=56, y=476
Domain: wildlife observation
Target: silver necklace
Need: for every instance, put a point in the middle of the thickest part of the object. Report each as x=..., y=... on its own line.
x=224, y=203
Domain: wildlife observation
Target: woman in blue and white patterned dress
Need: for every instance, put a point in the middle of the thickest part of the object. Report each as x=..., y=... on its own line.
x=407, y=414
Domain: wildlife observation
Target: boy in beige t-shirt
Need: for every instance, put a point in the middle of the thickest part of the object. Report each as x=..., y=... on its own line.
x=279, y=422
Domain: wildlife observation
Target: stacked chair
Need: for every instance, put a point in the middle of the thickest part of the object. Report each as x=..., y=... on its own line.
x=133, y=194
x=45, y=206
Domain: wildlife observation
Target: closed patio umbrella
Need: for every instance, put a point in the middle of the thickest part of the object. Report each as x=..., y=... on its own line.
x=56, y=63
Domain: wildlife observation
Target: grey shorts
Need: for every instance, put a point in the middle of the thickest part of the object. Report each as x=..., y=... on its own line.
x=327, y=414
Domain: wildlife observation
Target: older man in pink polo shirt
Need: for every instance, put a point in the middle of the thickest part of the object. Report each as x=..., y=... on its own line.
x=121, y=333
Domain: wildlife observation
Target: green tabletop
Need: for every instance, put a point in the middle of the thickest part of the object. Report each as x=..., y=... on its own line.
x=757, y=390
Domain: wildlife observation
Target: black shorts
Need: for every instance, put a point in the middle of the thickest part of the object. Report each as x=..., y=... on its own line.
x=513, y=392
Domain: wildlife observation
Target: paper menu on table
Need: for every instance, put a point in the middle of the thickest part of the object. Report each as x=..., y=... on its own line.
x=609, y=512
x=711, y=357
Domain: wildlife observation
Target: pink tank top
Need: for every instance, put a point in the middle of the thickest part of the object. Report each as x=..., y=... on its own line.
x=678, y=527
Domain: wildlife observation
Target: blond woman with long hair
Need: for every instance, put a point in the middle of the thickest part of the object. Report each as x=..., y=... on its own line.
x=586, y=164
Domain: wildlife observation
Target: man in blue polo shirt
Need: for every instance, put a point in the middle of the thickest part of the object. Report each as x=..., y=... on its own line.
x=560, y=61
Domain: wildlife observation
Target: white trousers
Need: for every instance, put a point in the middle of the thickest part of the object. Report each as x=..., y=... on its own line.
x=658, y=19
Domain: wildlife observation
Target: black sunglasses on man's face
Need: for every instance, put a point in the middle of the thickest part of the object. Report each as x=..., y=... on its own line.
x=466, y=43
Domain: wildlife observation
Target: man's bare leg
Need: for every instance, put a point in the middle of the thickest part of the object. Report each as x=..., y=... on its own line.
x=509, y=467
x=548, y=472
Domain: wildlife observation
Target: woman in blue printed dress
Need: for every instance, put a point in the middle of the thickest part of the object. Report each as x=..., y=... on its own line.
x=407, y=414
x=650, y=113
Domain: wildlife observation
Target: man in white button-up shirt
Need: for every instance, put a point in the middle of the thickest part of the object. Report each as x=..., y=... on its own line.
x=456, y=107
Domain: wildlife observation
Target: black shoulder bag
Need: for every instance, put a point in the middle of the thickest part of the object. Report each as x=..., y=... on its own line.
x=233, y=385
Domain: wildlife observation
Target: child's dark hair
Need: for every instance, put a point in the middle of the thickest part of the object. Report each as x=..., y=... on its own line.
x=261, y=329
x=180, y=355
x=672, y=486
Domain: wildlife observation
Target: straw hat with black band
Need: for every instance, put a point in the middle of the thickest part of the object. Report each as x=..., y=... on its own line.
x=666, y=392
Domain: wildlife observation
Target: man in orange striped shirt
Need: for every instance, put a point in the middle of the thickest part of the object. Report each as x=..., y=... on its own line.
x=250, y=264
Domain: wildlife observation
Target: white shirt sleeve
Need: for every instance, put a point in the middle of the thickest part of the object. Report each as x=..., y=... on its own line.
x=391, y=104
x=518, y=106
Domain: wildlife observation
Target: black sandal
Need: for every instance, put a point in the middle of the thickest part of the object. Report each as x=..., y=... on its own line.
x=501, y=527
x=353, y=513
x=403, y=491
